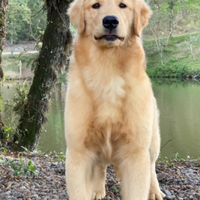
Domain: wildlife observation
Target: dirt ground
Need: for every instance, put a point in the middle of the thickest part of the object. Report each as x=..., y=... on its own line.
x=178, y=180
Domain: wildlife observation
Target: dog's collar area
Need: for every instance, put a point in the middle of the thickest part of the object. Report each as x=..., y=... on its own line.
x=109, y=38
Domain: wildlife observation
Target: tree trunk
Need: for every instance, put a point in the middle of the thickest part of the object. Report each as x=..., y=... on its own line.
x=1, y=122
x=53, y=56
x=171, y=21
x=3, y=5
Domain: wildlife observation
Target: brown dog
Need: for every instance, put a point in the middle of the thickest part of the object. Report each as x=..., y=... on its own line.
x=111, y=113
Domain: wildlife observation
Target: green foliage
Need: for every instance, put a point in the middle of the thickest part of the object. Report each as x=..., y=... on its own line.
x=3, y=150
x=61, y=155
x=115, y=188
x=62, y=78
x=175, y=158
x=22, y=168
x=23, y=20
x=26, y=150
x=58, y=156
x=15, y=104
x=8, y=132
x=72, y=29
x=180, y=58
x=20, y=97
x=176, y=71
x=173, y=16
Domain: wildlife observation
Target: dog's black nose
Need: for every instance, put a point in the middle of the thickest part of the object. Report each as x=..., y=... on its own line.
x=110, y=22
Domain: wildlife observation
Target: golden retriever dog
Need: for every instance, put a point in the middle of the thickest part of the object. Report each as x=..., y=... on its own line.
x=111, y=114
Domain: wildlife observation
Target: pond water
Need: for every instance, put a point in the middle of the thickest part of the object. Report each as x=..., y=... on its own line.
x=179, y=105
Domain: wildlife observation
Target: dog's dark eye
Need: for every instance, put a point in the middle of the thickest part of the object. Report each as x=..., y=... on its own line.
x=96, y=6
x=122, y=5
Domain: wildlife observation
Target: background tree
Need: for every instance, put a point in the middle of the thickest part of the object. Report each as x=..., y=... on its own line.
x=3, y=5
x=22, y=23
x=155, y=25
x=173, y=9
x=55, y=49
x=171, y=17
x=37, y=21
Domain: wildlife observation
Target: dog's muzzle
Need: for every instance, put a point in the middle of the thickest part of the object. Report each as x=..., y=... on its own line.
x=110, y=23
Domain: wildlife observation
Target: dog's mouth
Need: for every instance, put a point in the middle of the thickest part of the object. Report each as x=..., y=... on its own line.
x=109, y=38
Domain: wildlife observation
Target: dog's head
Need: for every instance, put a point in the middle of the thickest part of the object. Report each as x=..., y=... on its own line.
x=110, y=22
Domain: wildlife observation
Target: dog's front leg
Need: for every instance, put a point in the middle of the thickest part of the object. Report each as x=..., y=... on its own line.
x=135, y=170
x=78, y=176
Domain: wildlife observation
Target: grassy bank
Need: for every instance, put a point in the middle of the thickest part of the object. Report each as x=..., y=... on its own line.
x=181, y=57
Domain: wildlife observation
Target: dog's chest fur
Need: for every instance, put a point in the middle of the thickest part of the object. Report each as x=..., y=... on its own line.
x=107, y=87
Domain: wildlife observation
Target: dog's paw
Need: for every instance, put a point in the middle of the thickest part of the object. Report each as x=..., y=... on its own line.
x=98, y=195
x=156, y=195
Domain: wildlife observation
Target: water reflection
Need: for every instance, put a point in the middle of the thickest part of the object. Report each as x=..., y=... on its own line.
x=179, y=104
x=52, y=138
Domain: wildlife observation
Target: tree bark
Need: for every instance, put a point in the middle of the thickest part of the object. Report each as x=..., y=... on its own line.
x=3, y=5
x=53, y=56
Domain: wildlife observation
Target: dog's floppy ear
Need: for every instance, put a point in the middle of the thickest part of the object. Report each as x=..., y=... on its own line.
x=76, y=15
x=142, y=15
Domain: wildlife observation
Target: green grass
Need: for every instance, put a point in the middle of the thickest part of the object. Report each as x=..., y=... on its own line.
x=177, y=57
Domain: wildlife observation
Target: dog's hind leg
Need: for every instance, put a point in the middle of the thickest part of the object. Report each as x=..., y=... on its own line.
x=99, y=182
x=155, y=192
x=118, y=173
x=78, y=176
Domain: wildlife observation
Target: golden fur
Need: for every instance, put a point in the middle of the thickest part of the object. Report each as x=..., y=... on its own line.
x=111, y=113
